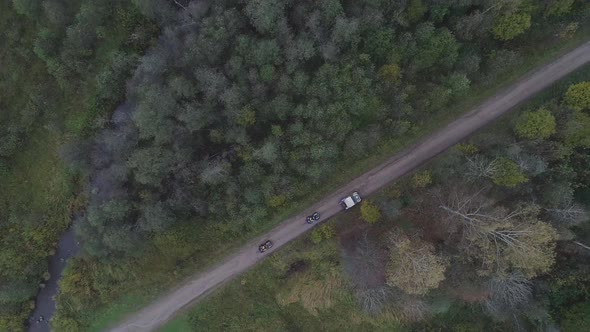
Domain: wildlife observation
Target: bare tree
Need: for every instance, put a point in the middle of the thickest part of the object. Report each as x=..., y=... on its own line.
x=507, y=293
x=501, y=237
x=413, y=267
x=480, y=167
x=364, y=264
x=570, y=214
x=372, y=300
x=411, y=308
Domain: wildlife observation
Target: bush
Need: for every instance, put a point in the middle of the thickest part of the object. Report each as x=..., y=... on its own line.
x=535, y=125
x=324, y=232
x=508, y=174
x=509, y=26
x=422, y=179
x=578, y=96
x=370, y=212
x=577, y=318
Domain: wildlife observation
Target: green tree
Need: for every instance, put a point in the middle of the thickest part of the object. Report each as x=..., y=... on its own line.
x=507, y=27
x=577, y=130
x=265, y=14
x=413, y=267
x=30, y=8
x=267, y=73
x=578, y=96
x=416, y=10
x=432, y=46
x=538, y=124
x=155, y=217
x=247, y=117
x=150, y=165
x=558, y=7
x=507, y=173
x=380, y=44
x=390, y=73
x=370, y=212
x=577, y=318
x=457, y=83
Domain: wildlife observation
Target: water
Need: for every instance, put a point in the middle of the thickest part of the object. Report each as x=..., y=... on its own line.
x=103, y=188
x=45, y=304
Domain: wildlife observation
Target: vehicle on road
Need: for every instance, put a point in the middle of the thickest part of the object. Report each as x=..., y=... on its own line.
x=265, y=246
x=350, y=201
x=314, y=217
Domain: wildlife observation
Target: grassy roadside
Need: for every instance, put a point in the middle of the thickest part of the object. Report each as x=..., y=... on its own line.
x=150, y=289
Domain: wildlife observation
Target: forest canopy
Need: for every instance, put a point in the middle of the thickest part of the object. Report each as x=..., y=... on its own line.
x=184, y=124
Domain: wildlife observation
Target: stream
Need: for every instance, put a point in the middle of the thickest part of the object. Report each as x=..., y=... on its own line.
x=44, y=303
x=101, y=188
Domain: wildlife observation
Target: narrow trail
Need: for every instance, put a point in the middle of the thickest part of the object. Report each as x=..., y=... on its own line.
x=167, y=306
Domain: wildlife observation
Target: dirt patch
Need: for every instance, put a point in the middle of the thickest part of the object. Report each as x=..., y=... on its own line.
x=364, y=256
x=349, y=236
x=297, y=267
x=432, y=231
x=470, y=295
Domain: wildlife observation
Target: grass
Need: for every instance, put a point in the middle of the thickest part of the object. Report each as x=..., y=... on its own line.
x=237, y=237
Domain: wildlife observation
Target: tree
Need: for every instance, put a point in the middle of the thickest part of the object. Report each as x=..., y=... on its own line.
x=570, y=213
x=364, y=264
x=56, y=12
x=577, y=318
x=345, y=33
x=30, y=8
x=509, y=26
x=247, y=116
x=471, y=26
x=155, y=217
x=151, y=165
x=415, y=11
x=558, y=7
x=577, y=130
x=578, y=96
x=501, y=238
x=265, y=14
x=413, y=266
x=508, y=292
x=391, y=73
x=432, y=46
x=507, y=173
x=370, y=212
x=380, y=44
x=538, y=124
x=457, y=83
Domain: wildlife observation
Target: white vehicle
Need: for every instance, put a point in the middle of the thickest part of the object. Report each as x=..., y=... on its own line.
x=350, y=201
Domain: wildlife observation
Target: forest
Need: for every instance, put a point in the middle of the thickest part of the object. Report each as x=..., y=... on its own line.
x=168, y=127
x=491, y=236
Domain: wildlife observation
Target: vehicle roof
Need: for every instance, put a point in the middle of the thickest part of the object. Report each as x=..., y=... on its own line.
x=348, y=201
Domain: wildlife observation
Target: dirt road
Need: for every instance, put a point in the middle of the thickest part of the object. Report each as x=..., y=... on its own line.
x=163, y=309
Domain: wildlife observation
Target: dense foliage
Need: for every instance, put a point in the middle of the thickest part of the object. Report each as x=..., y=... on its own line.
x=238, y=112
x=64, y=64
x=242, y=104
x=244, y=107
x=464, y=253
